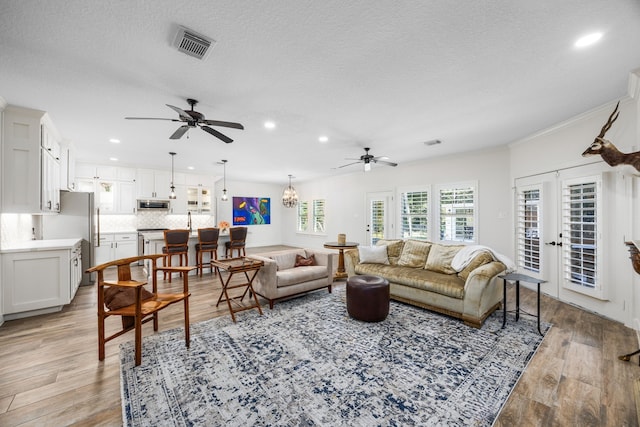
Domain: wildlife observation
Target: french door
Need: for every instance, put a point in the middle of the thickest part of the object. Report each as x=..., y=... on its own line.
x=559, y=232
x=379, y=217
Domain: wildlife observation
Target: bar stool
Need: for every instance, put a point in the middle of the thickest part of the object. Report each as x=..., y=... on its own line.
x=237, y=239
x=207, y=242
x=176, y=242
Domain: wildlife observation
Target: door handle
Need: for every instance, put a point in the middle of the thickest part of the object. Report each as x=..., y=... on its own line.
x=554, y=243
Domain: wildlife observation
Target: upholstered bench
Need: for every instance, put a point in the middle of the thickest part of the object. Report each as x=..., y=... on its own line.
x=368, y=298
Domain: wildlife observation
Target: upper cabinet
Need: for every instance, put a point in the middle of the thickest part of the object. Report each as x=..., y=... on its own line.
x=30, y=162
x=114, y=187
x=153, y=184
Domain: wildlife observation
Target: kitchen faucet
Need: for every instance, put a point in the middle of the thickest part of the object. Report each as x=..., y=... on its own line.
x=189, y=221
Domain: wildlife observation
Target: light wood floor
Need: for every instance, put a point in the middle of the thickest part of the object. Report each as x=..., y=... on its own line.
x=50, y=373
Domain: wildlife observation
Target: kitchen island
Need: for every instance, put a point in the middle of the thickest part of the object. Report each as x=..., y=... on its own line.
x=154, y=241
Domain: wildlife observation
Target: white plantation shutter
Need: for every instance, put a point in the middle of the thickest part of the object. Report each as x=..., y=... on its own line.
x=318, y=216
x=581, y=225
x=457, y=214
x=529, y=228
x=377, y=220
x=414, y=210
x=303, y=216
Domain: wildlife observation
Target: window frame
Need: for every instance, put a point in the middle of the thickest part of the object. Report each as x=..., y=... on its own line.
x=311, y=218
x=428, y=217
x=437, y=201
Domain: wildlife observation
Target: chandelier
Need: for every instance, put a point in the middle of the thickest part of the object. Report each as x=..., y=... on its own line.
x=289, y=196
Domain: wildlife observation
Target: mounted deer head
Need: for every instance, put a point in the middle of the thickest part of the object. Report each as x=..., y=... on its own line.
x=608, y=151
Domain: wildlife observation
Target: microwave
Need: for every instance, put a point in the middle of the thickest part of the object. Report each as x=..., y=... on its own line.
x=153, y=205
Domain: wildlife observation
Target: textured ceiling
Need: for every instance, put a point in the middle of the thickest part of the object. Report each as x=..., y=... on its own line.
x=382, y=74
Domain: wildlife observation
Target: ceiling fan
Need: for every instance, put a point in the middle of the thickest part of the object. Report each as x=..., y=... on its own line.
x=193, y=119
x=367, y=159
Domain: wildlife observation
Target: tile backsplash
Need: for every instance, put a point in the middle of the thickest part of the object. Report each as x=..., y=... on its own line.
x=15, y=228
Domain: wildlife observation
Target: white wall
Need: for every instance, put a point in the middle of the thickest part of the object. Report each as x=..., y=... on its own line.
x=345, y=195
x=258, y=235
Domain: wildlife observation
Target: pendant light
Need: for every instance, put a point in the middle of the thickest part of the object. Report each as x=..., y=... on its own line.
x=224, y=197
x=172, y=195
x=289, y=196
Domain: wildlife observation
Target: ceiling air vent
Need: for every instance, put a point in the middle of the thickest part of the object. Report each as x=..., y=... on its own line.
x=192, y=43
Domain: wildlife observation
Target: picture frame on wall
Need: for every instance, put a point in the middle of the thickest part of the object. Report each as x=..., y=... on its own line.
x=251, y=210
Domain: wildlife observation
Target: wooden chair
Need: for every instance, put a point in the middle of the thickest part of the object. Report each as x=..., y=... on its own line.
x=207, y=242
x=130, y=302
x=176, y=242
x=237, y=240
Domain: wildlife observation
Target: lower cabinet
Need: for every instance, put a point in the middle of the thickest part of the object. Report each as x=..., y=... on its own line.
x=39, y=281
x=116, y=246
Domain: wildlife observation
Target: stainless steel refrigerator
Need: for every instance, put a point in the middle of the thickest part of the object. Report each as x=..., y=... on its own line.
x=77, y=218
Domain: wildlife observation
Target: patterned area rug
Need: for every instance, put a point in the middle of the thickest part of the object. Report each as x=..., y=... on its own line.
x=308, y=363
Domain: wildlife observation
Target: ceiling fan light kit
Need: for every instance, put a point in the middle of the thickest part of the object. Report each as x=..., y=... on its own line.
x=192, y=119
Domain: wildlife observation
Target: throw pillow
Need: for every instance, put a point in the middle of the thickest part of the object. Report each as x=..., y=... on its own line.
x=285, y=260
x=440, y=258
x=373, y=254
x=482, y=258
x=394, y=246
x=303, y=262
x=414, y=253
x=116, y=297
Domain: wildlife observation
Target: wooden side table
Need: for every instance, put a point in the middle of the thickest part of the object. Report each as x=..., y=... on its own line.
x=232, y=266
x=340, y=273
x=517, y=278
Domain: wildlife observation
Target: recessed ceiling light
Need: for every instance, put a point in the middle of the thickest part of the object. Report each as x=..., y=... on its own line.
x=433, y=142
x=269, y=124
x=114, y=141
x=113, y=159
x=588, y=40
x=323, y=138
x=190, y=168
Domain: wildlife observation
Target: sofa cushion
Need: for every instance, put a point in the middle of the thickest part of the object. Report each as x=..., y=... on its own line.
x=295, y=276
x=305, y=262
x=373, y=254
x=482, y=258
x=285, y=260
x=414, y=253
x=445, y=284
x=394, y=249
x=440, y=257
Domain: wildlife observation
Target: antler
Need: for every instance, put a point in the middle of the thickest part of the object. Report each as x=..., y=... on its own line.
x=607, y=125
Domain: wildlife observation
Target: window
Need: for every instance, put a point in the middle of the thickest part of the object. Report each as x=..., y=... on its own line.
x=528, y=228
x=581, y=222
x=311, y=218
x=318, y=216
x=414, y=210
x=457, y=213
x=377, y=220
x=303, y=216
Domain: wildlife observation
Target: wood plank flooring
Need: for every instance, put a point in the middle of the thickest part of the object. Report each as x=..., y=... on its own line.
x=50, y=373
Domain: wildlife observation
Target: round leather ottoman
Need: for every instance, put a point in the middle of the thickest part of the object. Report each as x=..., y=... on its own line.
x=368, y=298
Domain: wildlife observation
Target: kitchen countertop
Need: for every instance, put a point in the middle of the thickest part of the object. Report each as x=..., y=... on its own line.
x=159, y=235
x=40, y=245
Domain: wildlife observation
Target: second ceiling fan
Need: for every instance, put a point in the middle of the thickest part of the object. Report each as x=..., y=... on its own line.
x=192, y=119
x=367, y=159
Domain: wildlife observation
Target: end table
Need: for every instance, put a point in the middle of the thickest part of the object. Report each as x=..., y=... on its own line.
x=517, y=278
x=340, y=273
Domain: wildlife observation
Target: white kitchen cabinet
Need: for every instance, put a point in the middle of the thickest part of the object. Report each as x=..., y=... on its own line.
x=153, y=184
x=199, y=199
x=39, y=281
x=68, y=167
x=114, y=246
x=30, y=144
x=114, y=187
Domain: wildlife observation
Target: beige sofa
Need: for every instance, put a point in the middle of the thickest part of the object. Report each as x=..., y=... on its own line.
x=280, y=278
x=420, y=273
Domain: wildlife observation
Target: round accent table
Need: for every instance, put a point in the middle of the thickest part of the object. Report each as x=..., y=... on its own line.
x=340, y=273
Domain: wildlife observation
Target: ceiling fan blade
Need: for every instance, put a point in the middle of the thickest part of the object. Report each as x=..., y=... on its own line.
x=348, y=164
x=381, y=158
x=220, y=123
x=217, y=134
x=151, y=118
x=179, y=132
x=183, y=114
x=385, y=163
